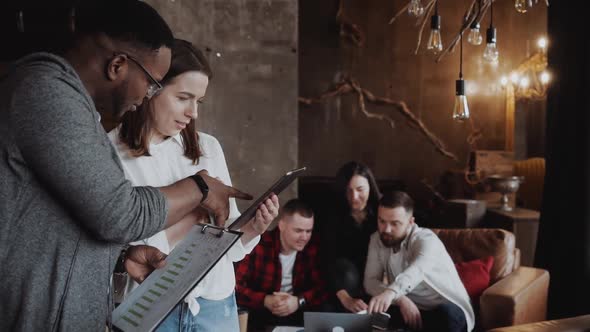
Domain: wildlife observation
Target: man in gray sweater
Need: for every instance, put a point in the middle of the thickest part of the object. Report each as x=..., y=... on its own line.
x=65, y=206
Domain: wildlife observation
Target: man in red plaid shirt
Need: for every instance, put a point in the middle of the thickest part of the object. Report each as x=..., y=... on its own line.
x=281, y=278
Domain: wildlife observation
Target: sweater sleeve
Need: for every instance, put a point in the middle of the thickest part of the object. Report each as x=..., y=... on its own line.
x=61, y=140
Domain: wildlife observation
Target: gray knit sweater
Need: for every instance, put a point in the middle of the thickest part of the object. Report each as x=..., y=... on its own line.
x=65, y=206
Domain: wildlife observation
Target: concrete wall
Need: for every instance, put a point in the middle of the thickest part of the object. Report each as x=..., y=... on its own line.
x=251, y=103
x=336, y=131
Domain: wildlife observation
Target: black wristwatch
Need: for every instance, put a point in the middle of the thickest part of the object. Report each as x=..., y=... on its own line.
x=202, y=185
x=301, y=302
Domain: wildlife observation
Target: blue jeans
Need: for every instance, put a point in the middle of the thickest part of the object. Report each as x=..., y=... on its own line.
x=214, y=316
x=446, y=317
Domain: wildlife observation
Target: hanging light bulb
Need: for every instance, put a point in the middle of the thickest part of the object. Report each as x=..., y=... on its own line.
x=545, y=77
x=415, y=8
x=490, y=54
x=503, y=80
x=542, y=43
x=435, y=40
x=523, y=5
x=474, y=37
x=460, y=109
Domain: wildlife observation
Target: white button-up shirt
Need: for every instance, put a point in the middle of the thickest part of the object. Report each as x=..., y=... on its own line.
x=422, y=270
x=166, y=165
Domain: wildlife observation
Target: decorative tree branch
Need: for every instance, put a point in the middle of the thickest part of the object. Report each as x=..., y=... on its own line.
x=403, y=10
x=427, y=10
x=349, y=85
x=474, y=135
x=433, y=190
x=349, y=30
x=473, y=13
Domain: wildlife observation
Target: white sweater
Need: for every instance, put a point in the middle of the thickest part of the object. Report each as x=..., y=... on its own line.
x=166, y=165
x=421, y=266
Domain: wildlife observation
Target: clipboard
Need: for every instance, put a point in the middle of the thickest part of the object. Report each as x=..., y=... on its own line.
x=276, y=188
x=190, y=261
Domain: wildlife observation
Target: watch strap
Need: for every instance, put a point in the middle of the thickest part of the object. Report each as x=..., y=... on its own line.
x=202, y=186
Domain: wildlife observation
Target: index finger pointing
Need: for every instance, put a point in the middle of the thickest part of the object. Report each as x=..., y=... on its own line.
x=233, y=192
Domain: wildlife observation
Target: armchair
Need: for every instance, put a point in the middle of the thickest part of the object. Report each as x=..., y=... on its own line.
x=517, y=294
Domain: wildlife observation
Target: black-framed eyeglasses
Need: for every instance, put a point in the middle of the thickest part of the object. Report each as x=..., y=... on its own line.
x=153, y=88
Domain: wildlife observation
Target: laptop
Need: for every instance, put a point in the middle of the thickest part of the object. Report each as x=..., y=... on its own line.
x=327, y=321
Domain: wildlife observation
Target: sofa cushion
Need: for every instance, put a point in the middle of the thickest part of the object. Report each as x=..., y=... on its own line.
x=475, y=276
x=574, y=324
x=473, y=243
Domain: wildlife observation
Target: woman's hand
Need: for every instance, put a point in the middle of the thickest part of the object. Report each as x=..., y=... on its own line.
x=350, y=303
x=265, y=214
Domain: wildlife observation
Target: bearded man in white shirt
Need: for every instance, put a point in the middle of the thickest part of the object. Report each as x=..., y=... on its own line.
x=423, y=289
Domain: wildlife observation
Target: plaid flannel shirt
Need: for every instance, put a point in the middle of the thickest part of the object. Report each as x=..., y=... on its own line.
x=260, y=273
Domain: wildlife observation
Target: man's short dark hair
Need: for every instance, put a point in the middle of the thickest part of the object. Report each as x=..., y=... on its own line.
x=395, y=199
x=296, y=206
x=130, y=21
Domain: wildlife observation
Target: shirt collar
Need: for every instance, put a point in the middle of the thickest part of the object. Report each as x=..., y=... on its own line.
x=176, y=138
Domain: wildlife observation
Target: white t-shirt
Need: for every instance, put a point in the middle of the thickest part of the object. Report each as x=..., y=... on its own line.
x=166, y=165
x=287, y=262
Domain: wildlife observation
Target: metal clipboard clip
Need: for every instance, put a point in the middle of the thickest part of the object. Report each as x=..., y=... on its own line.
x=221, y=230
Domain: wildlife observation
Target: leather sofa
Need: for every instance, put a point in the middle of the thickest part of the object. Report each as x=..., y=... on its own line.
x=573, y=324
x=517, y=294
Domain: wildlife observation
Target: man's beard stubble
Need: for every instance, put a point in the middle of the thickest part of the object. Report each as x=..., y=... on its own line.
x=118, y=100
x=112, y=105
x=390, y=242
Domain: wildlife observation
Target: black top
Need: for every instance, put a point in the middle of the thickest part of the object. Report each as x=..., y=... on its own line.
x=344, y=238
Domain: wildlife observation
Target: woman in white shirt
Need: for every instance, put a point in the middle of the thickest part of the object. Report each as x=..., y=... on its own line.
x=158, y=145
